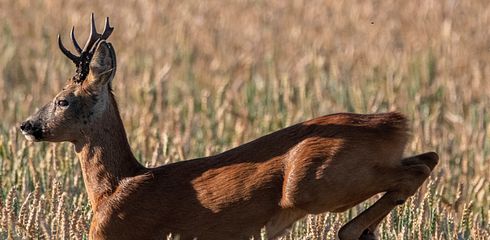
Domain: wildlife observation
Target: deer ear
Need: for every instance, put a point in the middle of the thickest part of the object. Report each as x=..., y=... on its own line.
x=102, y=66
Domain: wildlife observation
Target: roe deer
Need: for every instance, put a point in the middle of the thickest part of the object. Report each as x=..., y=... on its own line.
x=330, y=163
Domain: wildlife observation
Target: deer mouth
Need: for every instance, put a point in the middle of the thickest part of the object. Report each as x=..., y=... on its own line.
x=30, y=137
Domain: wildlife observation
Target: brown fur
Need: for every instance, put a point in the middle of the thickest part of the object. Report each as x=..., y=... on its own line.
x=329, y=163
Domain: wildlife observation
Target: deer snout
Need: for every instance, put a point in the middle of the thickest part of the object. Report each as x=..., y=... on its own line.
x=31, y=130
x=25, y=126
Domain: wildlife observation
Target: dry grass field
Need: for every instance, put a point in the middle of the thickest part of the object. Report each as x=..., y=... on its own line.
x=198, y=77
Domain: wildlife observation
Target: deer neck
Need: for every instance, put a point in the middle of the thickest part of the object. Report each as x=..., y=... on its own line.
x=105, y=155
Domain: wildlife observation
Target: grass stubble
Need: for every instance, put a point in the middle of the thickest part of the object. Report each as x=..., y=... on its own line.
x=198, y=78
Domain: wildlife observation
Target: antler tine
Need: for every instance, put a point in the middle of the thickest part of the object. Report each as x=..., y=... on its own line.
x=107, y=29
x=83, y=61
x=67, y=53
x=93, y=35
x=74, y=41
x=105, y=34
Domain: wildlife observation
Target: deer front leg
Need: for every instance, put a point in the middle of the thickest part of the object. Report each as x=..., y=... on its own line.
x=413, y=172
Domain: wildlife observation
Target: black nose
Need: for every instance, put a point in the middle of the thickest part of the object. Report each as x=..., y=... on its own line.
x=30, y=127
x=26, y=126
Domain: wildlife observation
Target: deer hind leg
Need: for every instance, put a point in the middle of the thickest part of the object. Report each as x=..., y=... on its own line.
x=411, y=175
x=429, y=159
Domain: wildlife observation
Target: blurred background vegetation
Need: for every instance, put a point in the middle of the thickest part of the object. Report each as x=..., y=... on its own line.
x=199, y=77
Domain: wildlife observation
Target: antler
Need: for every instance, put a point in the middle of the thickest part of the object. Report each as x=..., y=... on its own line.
x=83, y=60
x=94, y=36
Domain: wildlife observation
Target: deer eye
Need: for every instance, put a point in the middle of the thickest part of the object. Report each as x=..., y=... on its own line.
x=62, y=103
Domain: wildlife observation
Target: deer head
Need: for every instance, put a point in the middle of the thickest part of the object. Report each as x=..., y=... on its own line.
x=85, y=97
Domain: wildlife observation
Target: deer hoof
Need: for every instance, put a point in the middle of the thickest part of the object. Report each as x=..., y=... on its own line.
x=367, y=235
